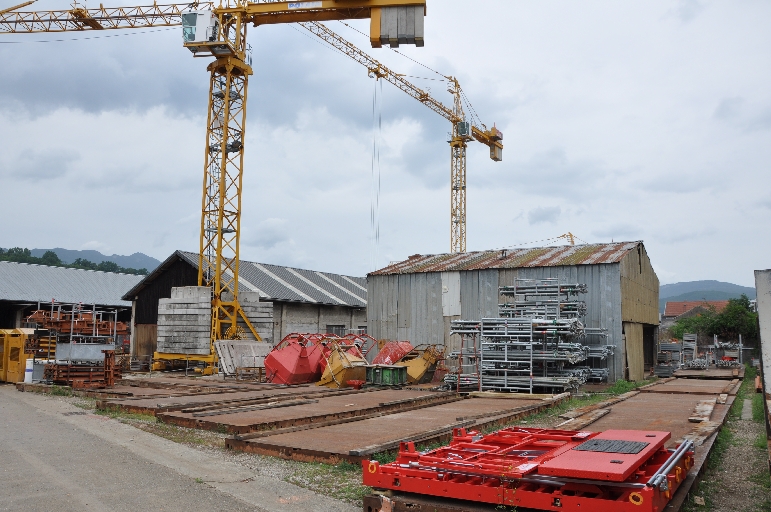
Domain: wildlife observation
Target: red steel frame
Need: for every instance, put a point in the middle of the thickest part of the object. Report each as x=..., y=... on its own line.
x=539, y=469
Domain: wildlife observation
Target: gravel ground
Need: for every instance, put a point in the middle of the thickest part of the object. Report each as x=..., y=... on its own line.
x=737, y=482
x=737, y=477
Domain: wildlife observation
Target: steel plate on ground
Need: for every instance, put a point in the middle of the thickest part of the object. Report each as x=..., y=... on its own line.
x=611, y=446
x=600, y=465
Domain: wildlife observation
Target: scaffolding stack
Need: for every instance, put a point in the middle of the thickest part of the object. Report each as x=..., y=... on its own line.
x=536, y=342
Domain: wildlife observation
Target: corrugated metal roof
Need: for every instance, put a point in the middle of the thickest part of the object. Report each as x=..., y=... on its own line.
x=280, y=283
x=589, y=254
x=24, y=282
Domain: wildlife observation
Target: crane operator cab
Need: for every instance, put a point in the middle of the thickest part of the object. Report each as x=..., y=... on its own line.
x=200, y=31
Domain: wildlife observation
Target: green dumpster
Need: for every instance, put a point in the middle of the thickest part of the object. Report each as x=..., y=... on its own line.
x=387, y=375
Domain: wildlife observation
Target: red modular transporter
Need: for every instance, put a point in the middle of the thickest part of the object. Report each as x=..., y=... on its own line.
x=612, y=471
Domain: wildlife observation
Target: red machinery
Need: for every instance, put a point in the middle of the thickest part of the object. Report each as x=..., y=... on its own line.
x=295, y=360
x=302, y=358
x=612, y=471
x=393, y=352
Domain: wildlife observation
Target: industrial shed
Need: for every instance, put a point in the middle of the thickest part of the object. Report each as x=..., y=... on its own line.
x=416, y=299
x=25, y=286
x=303, y=300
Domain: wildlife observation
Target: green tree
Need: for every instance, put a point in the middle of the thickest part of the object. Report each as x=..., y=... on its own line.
x=737, y=318
x=19, y=255
x=84, y=264
x=109, y=266
x=51, y=259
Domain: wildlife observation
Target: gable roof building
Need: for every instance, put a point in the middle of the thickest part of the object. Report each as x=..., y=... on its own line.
x=303, y=300
x=24, y=285
x=675, y=309
x=417, y=299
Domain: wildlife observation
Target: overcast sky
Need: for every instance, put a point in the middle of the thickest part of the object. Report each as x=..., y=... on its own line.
x=639, y=120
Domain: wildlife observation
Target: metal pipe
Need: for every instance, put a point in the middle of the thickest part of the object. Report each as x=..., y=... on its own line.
x=665, y=468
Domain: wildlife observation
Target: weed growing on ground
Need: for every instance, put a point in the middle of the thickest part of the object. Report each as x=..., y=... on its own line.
x=59, y=391
x=119, y=414
x=341, y=481
x=758, y=413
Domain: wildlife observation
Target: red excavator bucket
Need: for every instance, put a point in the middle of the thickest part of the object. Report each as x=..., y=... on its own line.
x=393, y=352
x=296, y=360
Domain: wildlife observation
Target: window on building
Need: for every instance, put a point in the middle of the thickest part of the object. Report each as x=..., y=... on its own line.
x=362, y=329
x=338, y=330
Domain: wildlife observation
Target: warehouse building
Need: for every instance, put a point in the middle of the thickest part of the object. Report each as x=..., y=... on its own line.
x=25, y=287
x=303, y=300
x=417, y=299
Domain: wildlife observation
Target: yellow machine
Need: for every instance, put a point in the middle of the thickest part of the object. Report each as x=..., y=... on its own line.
x=421, y=363
x=342, y=367
x=220, y=33
x=13, y=360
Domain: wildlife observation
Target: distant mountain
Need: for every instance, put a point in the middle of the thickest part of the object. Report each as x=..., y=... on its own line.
x=672, y=290
x=136, y=260
x=701, y=290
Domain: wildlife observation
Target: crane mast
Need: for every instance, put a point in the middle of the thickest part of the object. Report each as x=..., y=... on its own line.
x=220, y=32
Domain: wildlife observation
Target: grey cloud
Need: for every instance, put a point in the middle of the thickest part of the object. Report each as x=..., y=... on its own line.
x=675, y=237
x=689, y=10
x=729, y=109
x=47, y=164
x=546, y=215
x=736, y=112
x=761, y=121
x=618, y=232
x=138, y=72
x=549, y=174
x=269, y=234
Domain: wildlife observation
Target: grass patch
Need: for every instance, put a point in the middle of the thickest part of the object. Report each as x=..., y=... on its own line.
x=60, y=391
x=182, y=435
x=119, y=414
x=758, y=412
x=761, y=441
x=341, y=481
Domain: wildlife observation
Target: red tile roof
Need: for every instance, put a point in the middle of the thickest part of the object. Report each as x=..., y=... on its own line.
x=678, y=308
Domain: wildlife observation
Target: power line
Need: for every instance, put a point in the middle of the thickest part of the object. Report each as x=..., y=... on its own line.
x=398, y=52
x=91, y=37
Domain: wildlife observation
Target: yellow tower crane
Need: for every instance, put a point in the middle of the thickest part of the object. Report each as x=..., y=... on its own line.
x=220, y=32
x=462, y=130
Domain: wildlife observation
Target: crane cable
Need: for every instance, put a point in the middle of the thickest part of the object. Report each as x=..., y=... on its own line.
x=377, y=135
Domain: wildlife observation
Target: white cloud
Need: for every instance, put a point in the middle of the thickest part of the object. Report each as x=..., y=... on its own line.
x=634, y=120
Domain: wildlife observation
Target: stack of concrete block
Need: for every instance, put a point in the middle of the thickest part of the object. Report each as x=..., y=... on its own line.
x=184, y=321
x=260, y=315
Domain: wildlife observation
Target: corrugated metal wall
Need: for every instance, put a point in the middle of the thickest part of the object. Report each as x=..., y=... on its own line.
x=409, y=306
